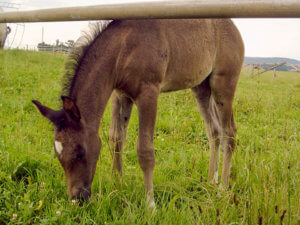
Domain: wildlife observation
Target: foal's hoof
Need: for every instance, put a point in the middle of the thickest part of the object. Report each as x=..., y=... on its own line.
x=214, y=179
x=224, y=187
x=151, y=207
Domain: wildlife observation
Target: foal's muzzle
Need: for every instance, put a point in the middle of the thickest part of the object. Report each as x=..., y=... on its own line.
x=81, y=194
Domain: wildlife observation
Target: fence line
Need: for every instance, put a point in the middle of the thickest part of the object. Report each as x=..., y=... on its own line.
x=162, y=9
x=261, y=68
x=49, y=48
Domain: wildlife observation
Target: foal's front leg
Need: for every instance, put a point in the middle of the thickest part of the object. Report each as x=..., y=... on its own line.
x=121, y=110
x=147, y=107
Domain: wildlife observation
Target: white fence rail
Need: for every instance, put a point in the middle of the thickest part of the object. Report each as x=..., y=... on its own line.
x=163, y=9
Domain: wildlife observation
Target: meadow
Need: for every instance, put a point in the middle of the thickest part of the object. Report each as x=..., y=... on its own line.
x=264, y=181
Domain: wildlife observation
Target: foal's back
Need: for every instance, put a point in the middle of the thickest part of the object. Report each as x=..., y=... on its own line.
x=176, y=53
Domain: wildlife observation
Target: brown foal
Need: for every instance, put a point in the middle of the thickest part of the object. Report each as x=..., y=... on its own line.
x=136, y=60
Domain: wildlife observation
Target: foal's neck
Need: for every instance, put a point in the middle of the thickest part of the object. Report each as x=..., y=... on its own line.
x=93, y=85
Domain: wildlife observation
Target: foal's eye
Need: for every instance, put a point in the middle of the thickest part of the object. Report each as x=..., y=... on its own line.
x=80, y=152
x=80, y=155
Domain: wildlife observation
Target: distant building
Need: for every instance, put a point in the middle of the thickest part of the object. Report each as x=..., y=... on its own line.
x=58, y=47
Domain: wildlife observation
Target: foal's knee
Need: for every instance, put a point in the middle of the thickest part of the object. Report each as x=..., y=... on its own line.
x=115, y=140
x=215, y=132
x=229, y=140
x=231, y=144
x=146, y=158
x=114, y=135
x=233, y=126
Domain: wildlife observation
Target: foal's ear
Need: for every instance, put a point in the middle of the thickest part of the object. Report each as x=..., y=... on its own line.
x=71, y=108
x=45, y=111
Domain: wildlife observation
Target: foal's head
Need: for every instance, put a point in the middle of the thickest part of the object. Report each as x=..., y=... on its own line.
x=76, y=146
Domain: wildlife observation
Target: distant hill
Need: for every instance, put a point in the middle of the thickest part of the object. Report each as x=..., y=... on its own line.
x=274, y=61
x=270, y=60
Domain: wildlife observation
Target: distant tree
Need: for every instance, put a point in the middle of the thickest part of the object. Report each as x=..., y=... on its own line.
x=70, y=43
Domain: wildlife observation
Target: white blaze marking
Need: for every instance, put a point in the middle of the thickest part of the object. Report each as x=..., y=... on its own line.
x=58, y=147
x=215, y=179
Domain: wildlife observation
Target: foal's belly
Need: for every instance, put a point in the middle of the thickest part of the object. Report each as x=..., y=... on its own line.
x=179, y=84
x=182, y=78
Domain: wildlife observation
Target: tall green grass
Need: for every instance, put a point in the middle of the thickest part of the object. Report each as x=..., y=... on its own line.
x=264, y=175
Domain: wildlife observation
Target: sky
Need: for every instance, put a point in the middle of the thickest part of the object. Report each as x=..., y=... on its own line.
x=262, y=37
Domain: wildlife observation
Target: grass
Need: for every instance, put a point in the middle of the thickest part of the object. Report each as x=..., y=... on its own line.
x=264, y=175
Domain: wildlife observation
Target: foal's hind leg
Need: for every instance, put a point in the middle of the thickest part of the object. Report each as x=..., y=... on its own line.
x=121, y=110
x=223, y=88
x=207, y=110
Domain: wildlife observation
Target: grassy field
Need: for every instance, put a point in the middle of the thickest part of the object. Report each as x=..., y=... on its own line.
x=264, y=175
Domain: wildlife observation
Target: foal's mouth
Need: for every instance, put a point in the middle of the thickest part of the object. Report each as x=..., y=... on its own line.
x=81, y=194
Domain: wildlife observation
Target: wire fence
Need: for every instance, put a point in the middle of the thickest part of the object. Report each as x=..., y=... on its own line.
x=60, y=49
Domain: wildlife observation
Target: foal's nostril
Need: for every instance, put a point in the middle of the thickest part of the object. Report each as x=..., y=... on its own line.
x=83, y=193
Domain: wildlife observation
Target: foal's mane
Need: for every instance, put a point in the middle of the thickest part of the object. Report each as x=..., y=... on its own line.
x=78, y=52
